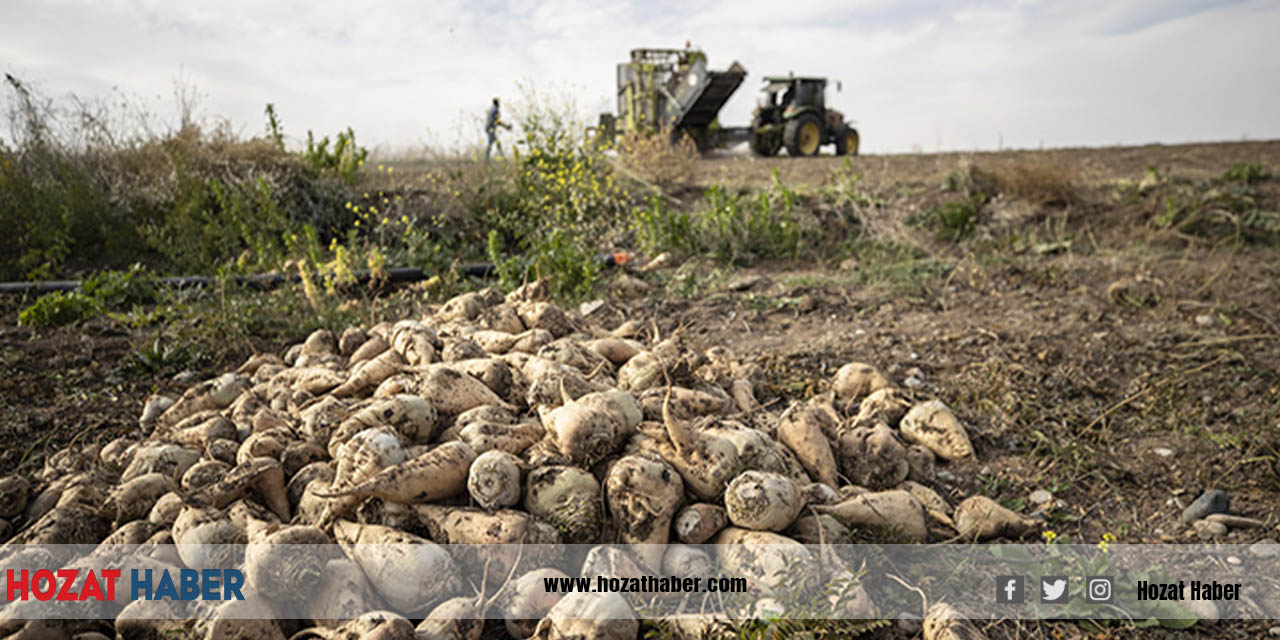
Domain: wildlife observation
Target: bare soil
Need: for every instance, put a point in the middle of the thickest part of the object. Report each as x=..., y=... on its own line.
x=1125, y=371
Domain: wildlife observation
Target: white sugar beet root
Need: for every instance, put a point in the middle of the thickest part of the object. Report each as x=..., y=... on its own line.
x=802, y=429
x=568, y=498
x=438, y=473
x=494, y=480
x=643, y=496
x=412, y=573
x=894, y=512
x=762, y=501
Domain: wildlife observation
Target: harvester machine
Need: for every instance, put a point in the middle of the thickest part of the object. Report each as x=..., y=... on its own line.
x=674, y=90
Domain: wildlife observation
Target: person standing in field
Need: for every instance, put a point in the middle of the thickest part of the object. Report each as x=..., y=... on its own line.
x=491, y=124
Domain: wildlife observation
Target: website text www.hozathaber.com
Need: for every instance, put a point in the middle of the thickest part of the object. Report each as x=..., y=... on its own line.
x=645, y=584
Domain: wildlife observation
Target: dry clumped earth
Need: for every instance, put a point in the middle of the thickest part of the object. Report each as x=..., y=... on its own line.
x=1108, y=373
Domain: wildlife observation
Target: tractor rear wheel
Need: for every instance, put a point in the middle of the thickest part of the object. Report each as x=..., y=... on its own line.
x=804, y=135
x=847, y=142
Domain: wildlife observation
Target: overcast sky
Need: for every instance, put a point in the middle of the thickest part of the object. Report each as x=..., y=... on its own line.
x=917, y=75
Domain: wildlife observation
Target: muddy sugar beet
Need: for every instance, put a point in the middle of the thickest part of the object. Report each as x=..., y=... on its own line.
x=492, y=419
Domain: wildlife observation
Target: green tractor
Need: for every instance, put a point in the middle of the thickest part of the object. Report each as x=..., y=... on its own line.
x=799, y=120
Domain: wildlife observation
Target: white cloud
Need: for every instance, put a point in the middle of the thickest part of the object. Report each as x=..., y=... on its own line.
x=928, y=74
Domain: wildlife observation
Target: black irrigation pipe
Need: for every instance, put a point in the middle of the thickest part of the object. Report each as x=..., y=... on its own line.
x=270, y=280
x=260, y=281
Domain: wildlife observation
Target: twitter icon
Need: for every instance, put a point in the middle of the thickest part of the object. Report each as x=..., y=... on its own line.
x=1053, y=590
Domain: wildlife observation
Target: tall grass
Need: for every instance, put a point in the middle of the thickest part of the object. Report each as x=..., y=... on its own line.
x=78, y=192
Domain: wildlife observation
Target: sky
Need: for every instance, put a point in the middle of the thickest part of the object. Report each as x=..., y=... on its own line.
x=916, y=75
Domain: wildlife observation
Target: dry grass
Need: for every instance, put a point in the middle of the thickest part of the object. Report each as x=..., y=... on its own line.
x=654, y=159
x=1040, y=181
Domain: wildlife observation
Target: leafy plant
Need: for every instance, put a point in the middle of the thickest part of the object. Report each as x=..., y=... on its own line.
x=1246, y=172
x=59, y=308
x=735, y=227
x=956, y=220
x=345, y=158
x=118, y=290
x=101, y=292
x=161, y=356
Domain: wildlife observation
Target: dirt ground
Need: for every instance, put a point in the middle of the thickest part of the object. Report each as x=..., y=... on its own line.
x=1123, y=370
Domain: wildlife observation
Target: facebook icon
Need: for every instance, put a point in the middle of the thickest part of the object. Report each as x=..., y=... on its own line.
x=1009, y=589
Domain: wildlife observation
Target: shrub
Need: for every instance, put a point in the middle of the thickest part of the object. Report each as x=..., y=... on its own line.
x=122, y=289
x=659, y=228
x=1246, y=172
x=103, y=291
x=956, y=220
x=1038, y=181
x=85, y=186
x=734, y=227
x=662, y=158
x=344, y=160
x=59, y=308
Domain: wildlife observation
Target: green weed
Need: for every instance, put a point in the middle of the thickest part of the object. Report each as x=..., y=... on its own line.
x=955, y=220
x=59, y=308
x=895, y=266
x=1246, y=172
x=734, y=227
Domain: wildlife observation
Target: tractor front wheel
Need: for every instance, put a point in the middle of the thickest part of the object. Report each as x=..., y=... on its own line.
x=847, y=142
x=766, y=144
x=804, y=135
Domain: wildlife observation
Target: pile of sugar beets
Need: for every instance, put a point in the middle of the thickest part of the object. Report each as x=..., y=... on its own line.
x=494, y=419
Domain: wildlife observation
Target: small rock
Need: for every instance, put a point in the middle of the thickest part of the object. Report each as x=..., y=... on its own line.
x=1040, y=496
x=947, y=476
x=1235, y=522
x=185, y=376
x=1265, y=548
x=1211, y=501
x=1205, y=320
x=630, y=287
x=1204, y=610
x=1208, y=529
x=806, y=303
x=590, y=307
x=744, y=283
x=913, y=382
x=1163, y=452
x=658, y=262
x=1233, y=560
x=1275, y=631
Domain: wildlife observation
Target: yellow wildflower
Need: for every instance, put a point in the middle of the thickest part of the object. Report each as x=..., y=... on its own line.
x=1107, y=539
